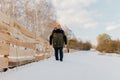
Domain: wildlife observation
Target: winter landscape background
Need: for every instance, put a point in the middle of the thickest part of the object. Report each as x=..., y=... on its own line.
x=93, y=40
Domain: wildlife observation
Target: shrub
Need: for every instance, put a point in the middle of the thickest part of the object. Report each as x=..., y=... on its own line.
x=75, y=44
x=111, y=46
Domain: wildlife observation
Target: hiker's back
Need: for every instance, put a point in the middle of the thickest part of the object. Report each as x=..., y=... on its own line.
x=58, y=38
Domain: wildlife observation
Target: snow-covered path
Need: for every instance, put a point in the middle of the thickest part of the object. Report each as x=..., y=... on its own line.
x=83, y=65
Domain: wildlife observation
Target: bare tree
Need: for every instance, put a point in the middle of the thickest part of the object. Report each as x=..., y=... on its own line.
x=36, y=15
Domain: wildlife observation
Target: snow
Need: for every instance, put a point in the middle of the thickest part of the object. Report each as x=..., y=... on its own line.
x=82, y=65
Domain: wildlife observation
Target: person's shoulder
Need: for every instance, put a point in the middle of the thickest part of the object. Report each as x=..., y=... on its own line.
x=53, y=30
x=62, y=30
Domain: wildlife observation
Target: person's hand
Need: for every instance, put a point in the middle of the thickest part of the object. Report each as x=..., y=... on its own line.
x=65, y=46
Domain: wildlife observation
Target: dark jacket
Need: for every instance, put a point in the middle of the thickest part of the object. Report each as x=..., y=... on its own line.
x=58, y=31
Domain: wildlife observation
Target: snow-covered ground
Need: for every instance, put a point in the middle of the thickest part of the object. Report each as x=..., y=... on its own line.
x=83, y=65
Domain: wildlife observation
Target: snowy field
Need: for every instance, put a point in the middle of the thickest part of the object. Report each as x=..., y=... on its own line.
x=83, y=65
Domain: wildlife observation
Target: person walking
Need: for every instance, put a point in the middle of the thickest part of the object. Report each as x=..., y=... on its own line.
x=58, y=39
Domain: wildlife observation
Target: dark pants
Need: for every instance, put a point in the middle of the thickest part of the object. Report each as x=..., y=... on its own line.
x=59, y=53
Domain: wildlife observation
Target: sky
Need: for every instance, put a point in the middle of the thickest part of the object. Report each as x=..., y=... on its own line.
x=89, y=18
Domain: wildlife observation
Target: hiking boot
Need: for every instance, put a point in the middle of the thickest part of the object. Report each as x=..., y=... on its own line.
x=57, y=59
x=61, y=60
